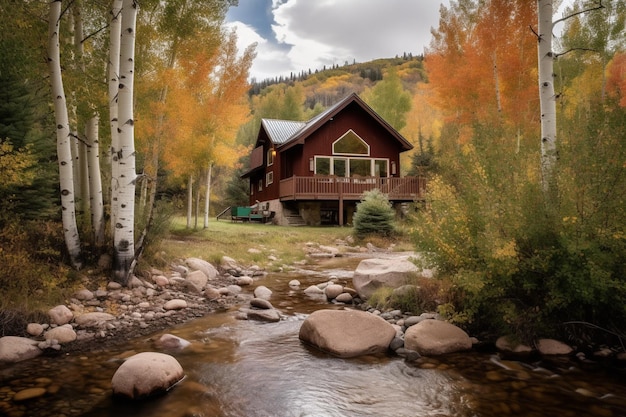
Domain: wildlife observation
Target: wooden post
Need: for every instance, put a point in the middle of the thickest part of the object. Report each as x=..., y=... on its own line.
x=340, y=184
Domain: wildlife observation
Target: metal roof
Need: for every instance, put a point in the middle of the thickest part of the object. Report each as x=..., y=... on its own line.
x=287, y=133
x=280, y=131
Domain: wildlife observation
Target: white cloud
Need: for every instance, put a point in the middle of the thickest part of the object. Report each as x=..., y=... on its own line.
x=310, y=34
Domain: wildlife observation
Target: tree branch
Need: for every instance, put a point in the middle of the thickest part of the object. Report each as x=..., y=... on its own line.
x=571, y=50
x=598, y=7
x=81, y=140
x=535, y=32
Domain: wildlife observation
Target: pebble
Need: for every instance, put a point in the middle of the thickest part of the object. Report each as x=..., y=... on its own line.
x=28, y=394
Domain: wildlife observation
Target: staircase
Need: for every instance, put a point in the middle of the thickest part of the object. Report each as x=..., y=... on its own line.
x=293, y=218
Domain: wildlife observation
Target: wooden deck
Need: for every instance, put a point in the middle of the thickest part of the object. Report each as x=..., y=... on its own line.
x=342, y=189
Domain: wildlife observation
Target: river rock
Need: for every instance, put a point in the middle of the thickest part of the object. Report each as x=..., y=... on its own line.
x=93, y=319
x=196, y=281
x=62, y=334
x=344, y=297
x=435, y=337
x=161, y=280
x=271, y=315
x=261, y=303
x=347, y=333
x=294, y=283
x=60, y=315
x=175, y=304
x=509, y=345
x=262, y=292
x=553, y=347
x=169, y=341
x=202, y=265
x=372, y=274
x=29, y=393
x=34, y=329
x=84, y=295
x=146, y=374
x=333, y=290
x=16, y=349
x=245, y=280
x=313, y=290
x=212, y=293
x=230, y=265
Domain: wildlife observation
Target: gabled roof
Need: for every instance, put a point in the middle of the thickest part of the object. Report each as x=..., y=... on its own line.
x=280, y=131
x=285, y=133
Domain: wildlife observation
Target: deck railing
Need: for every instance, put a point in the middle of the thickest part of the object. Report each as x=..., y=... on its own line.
x=333, y=188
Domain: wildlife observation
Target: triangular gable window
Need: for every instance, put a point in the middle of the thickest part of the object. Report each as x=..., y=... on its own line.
x=350, y=144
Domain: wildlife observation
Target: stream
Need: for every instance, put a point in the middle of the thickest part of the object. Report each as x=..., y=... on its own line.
x=239, y=368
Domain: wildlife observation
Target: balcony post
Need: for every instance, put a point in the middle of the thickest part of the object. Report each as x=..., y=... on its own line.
x=340, y=188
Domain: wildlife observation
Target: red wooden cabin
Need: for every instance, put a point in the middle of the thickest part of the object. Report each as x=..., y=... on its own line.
x=315, y=172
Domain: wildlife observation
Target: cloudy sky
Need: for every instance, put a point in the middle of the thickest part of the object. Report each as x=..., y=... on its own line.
x=297, y=35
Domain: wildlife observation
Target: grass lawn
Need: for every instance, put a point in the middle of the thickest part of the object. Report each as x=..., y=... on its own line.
x=235, y=239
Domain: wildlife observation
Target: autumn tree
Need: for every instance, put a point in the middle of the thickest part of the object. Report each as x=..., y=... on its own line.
x=208, y=103
x=520, y=262
x=389, y=99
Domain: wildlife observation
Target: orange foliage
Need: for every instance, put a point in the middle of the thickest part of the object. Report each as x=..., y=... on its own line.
x=205, y=104
x=616, y=78
x=481, y=63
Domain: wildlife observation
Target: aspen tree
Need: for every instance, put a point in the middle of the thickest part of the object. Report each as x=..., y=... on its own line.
x=64, y=153
x=123, y=238
x=547, y=97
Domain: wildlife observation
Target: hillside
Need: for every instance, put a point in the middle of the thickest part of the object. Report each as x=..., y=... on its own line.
x=326, y=86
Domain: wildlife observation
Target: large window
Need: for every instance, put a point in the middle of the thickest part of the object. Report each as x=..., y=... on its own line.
x=360, y=167
x=351, y=167
x=381, y=168
x=322, y=165
x=350, y=144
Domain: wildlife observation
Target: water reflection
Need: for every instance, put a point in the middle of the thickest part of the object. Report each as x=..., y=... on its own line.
x=251, y=369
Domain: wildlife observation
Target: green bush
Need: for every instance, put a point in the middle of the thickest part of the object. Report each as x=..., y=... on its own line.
x=517, y=264
x=374, y=215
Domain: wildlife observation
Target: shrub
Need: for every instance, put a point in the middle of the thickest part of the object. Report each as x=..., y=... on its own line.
x=374, y=215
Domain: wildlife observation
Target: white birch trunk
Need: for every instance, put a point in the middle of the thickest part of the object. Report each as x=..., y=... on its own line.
x=123, y=238
x=189, y=201
x=207, y=197
x=83, y=178
x=64, y=153
x=115, y=29
x=547, y=98
x=95, y=181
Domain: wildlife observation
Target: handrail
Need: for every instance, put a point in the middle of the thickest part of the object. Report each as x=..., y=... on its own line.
x=222, y=213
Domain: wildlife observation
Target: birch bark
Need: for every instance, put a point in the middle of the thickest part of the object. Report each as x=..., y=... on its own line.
x=189, y=200
x=123, y=238
x=547, y=98
x=95, y=181
x=64, y=153
x=207, y=198
x=115, y=31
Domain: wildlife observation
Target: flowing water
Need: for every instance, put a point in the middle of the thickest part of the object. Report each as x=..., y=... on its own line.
x=250, y=369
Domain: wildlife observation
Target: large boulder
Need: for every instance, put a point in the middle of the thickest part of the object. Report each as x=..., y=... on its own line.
x=202, y=265
x=60, y=315
x=62, y=334
x=347, y=333
x=436, y=337
x=372, y=274
x=196, y=281
x=93, y=319
x=146, y=374
x=553, y=347
x=16, y=349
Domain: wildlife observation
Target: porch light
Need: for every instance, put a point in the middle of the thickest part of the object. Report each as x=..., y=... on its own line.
x=273, y=152
x=311, y=165
x=393, y=167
